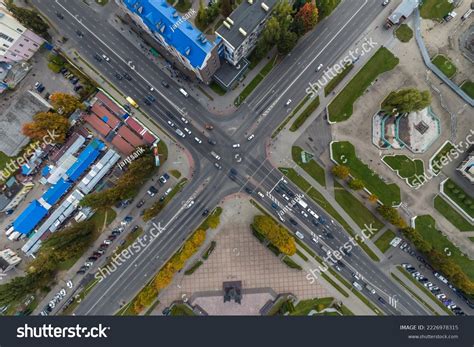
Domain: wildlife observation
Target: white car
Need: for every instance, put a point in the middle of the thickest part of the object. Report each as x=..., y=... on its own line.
x=315, y=240
x=285, y=197
x=237, y=145
x=89, y=263
x=171, y=124
x=187, y=130
x=107, y=242
x=251, y=137
x=441, y=296
x=260, y=194
x=299, y=235
x=198, y=140
x=184, y=120
x=106, y=58
x=304, y=214
x=320, y=66
x=190, y=204
x=288, y=102
x=180, y=133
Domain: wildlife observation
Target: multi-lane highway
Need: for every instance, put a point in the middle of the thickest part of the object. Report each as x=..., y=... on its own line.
x=288, y=81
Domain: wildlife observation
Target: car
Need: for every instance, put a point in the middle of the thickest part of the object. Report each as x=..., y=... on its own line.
x=260, y=194
x=212, y=142
x=198, y=140
x=107, y=242
x=187, y=131
x=411, y=269
x=423, y=280
x=320, y=66
x=189, y=204
x=381, y=300
x=236, y=145
x=103, y=246
x=288, y=102
x=97, y=254
x=441, y=296
x=79, y=33
x=356, y=276
x=285, y=197
x=37, y=84
x=218, y=166
x=59, y=15
x=452, y=306
x=165, y=84
x=304, y=214
x=428, y=284
x=80, y=272
x=274, y=206
x=184, y=120
x=357, y=286
x=141, y=203
x=151, y=98
x=92, y=259
x=315, y=222
x=76, y=89
x=146, y=101
x=152, y=191
x=127, y=76
x=406, y=265
x=106, y=58
x=112, y=237
x=180, y=133
x=370, y=289
x=315, y=240
x=299, y=235
x=249, y=190
x=415, y=274
x=331, y=236
x=88, y=264
x=151, y=89
x=251, y=137
x=75, y=80
x=135, y=228
x=292, y=221
x=162, y=180
x=118, y=76
x=209, y=126
x=385, y=2
x=171, y=124
x=205, y=212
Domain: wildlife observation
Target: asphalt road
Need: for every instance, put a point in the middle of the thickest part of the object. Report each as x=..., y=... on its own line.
x=209, y=185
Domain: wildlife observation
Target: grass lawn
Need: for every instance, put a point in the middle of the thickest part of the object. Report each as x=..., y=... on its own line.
x=181, y=310
x=217, y=88
x=306, y=306
x=193, y=268
x=313, y=169
x=256, y=81
x=290, y=263
x=472, y=239
x=308, y=111
x=452, y=215
x=445, y=65
x=344, y=153
x=3, y=160
x=355, y=209
x=427, y=228
x=183, y=5
x=460, y=197
x=383, y=242
x=176, y=174
x=325, y=205
x=468, y=88
x=407, y=168
x=343, y=105
x=435, y=9
x=436, y=163
x=404, y=33
x=338, y=79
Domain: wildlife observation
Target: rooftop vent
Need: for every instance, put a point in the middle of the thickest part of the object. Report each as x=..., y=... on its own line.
x=227, y=25
x=187, y=51
x=265, y=7
x=230, y=20
x=242, y=31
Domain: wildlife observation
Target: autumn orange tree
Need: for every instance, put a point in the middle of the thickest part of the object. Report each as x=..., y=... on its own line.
x=341, y=171
x=275, y=233
x=65, y=103
x=44, y=121
x=308, y=16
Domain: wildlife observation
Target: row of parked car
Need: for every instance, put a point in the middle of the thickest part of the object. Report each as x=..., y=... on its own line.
x=72, y=78
x=435, y=289
x=58, y=297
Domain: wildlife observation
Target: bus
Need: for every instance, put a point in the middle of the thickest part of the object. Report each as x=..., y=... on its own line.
x=132, y=102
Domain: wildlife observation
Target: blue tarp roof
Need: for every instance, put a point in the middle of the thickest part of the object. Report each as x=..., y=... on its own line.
x=85, y=159
x=160, y=17
x=46, y=170
x=55, y=193
x=25, y=169
x=30, y=217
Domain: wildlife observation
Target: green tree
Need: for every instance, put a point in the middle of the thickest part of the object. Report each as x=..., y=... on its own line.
x=29, y=18
x=406, y=100
x=326, y=6
x=341, y=171
x=356, y=184
x=391, y=214
x=226, y=7
x=287, y=42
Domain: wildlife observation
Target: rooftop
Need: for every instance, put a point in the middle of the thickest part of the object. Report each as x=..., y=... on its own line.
x=404, y=10
x=163, y=19
x=244, y=19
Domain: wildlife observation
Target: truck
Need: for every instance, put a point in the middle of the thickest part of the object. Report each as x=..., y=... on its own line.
x=131, y=102
x=303, y=204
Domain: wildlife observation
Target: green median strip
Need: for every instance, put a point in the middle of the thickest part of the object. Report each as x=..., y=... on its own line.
x=424, y=290
x=305, y=115
x=414, y=294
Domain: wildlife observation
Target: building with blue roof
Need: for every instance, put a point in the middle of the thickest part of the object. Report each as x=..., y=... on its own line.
x=30, y=217
x=172, y=35
x=84, y=160
x=55, y=192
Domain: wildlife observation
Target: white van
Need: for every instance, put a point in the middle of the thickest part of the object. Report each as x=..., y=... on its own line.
x=357, y=286
x=300, y=235
x=14, y=236
x=182, y=91
x=9, y=231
